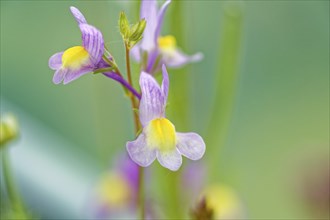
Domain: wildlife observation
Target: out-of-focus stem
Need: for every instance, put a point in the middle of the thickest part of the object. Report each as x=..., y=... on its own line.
x=13, y=195
x=225, y=83
x=141, y=193
x=140, y=199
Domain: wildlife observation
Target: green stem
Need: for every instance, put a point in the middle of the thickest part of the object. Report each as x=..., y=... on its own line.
x=141, y=193
x=13, y=195
x=137, y=129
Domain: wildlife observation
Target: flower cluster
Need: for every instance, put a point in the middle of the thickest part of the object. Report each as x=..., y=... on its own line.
x=158, y=138
x=154, y=49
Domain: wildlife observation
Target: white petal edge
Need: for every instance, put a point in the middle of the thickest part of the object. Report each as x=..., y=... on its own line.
x=139, y=152
x=177, y=58
x=78, y=15
x=73, y=75
x=59, y=75
x=190, y=145
x=171, y=160
x=55, y=61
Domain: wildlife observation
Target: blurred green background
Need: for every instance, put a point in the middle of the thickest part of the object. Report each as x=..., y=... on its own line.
x=272, y=132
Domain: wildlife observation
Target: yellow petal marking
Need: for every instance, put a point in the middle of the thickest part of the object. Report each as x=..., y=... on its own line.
x=160, y=134
x=167, y=43
x=75, y=57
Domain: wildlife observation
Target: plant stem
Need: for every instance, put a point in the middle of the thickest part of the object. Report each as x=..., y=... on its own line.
x=141, y=193
x=114, y=73
x=124, y=83
x=13, y=195
x=137, y=128
x=133, y=100
x=227, y=77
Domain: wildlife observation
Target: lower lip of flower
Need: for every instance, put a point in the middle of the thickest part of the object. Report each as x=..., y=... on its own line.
x=160, y=134
x=75, y=57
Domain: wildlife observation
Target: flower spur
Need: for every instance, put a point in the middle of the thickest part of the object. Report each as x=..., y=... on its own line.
x=158, y=138
x=79, y=60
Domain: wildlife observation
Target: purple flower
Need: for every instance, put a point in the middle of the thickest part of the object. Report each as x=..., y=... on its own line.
x=117, y=191
x=79, y=60
x=157, y=49
x=159, y=138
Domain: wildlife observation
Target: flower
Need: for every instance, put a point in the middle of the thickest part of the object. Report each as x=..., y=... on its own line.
x=117, y=191
x=222, y=201
x=159, y=50
x=158, y=138
x=79, y=60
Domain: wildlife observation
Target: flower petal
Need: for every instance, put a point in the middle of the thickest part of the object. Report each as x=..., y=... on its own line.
x=93, y=42
x=149, y=13
x=139, y=151
x=190, y=145
x=171, y=159
x=160, y=18
x=165, y=83
x=78, y=15
x=75, y=74
x=59, y=75
x=152, y=103
x=55, y=61
x=152, y=57
x=129, y=170
x=135, y=53
x=177, y=58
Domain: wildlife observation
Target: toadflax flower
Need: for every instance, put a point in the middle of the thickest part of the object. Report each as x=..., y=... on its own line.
x=117, y=191
x=158, y=138
x=222, y=201
x=155, y=50
x=79, y=60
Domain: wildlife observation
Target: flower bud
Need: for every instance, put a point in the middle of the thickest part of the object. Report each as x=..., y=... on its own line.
x=8, y=128
x=124, y=25
x=131, y=34
x=137, y=32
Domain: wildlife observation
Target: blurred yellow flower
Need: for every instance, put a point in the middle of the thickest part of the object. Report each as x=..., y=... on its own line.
x=8, y=128
x=223, y=201
x=114, y=190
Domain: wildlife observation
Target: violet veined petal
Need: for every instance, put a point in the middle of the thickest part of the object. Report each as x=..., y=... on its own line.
x=93, y=42
x=165, y=83
x=149, y=13
x=55, y=61
x=171, y=159
x=78, y=15
x=59, y=75
x=152, y=57
x=160, y=17
x=75, y=74
x=177, y=58
x=152, y=103
x=139, y=151
x=190, y=145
